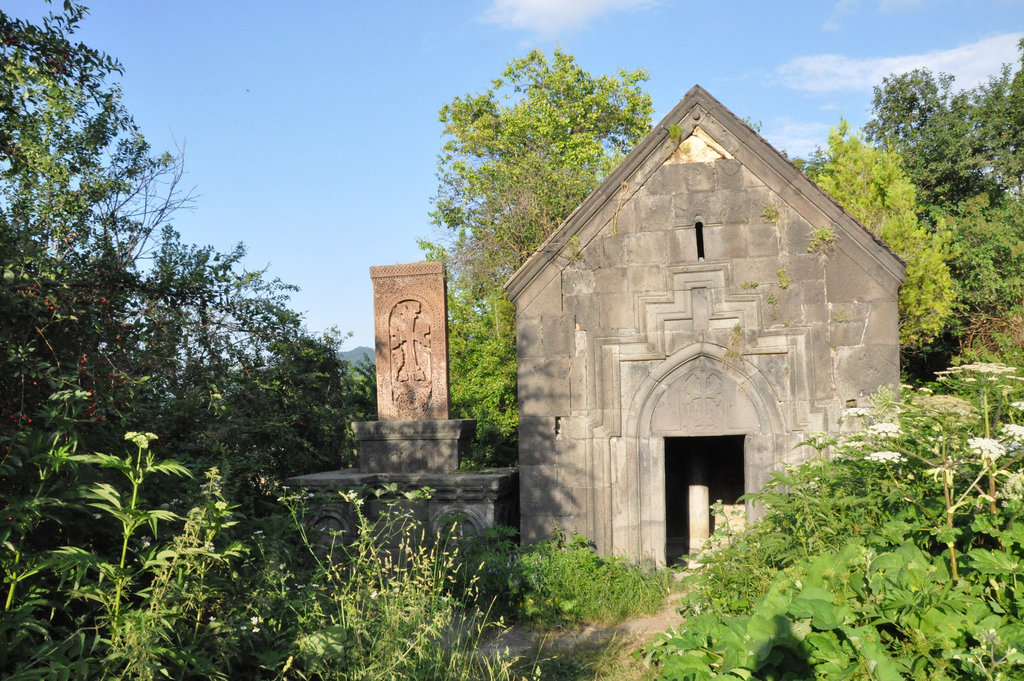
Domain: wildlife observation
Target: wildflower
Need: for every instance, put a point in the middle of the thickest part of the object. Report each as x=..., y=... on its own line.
x=988, y=449
x=853, y=412
x=140, y=439
x=886, y=457
x=925, y=391
x=146, y=542
x=1013, y=488
x=884, y=430
x=991, y=368
x=1014, y=432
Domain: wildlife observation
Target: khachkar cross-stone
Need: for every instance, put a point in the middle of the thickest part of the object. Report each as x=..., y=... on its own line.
x=410, y=315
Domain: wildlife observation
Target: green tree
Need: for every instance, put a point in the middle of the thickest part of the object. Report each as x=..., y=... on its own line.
x=873, y=186
x=111, y=323
x=956, y=144
x=964, y=150
x=517, y=159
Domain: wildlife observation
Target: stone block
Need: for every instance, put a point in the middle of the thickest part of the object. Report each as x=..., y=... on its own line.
x=617, y=311
x=644, y=278
x=667, y=180
x=536, y=440
x=815, y=308
x=688, y=208
x=646, y=248
x=534, y=529
x=547, y=301
x=558, y=336
x=698, y=177
x=762, y=240
x=586, y=312
x=725, y=241
x=528, y=337
x=624, y=218
x=848, y=282
x=610, y=279
x=862, y=370
x=882, y=324
x=614, y=250
x=653, y=213
x=729, y=175
x=682, y=245
x=846, y=333
x=577, y=282
x=790, y=307
x=750, y=179
x=542, y=493
x=754, y=269
x=429, y=446
x=806, y=267
x=543, y=386
x=794, y=234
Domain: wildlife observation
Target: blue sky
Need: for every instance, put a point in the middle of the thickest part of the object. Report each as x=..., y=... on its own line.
x=310, y=128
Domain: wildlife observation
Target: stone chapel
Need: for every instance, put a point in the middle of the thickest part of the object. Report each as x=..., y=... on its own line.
x=702, y=312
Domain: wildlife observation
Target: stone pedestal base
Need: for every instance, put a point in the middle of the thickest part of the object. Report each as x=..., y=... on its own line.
x=467, y=503
x=413, y=446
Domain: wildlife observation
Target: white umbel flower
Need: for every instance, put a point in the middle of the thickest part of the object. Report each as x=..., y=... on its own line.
x=1014, y=432
x=885, y=430
x=886, y=457
x=988, y=449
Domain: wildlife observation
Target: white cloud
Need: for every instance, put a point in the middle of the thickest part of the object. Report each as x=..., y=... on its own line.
x=796, y=138
x=548, y=17
x=970, y=64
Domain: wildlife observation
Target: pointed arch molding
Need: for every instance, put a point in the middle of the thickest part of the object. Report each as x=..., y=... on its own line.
x=638, y=523
x=713, y=360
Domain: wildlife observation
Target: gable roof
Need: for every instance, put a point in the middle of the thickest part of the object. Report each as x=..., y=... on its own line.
x=730, y=134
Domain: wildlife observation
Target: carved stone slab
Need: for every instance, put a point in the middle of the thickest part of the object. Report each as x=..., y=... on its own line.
x=411, y=327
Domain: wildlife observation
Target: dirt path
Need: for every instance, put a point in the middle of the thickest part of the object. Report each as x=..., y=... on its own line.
x=518, y=640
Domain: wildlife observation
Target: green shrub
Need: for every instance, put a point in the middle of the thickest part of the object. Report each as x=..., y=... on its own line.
x=900, y=557
x=559, y=582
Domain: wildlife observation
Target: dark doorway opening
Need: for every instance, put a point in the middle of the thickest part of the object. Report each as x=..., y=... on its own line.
x=715, y=462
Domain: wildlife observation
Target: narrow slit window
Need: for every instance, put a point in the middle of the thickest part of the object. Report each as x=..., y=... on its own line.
x=699, y=229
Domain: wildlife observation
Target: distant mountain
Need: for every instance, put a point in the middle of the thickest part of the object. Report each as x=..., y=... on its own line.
x=356, y=355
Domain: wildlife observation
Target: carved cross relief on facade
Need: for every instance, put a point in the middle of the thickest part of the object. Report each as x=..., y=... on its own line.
x=703, y=399
x=409, y=334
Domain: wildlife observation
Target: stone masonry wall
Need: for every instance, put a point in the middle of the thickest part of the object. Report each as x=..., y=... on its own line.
x=631, y=337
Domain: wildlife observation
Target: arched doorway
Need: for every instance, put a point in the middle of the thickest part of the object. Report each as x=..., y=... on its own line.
x=696, y=404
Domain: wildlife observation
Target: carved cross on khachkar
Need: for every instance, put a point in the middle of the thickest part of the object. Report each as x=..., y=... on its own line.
x=411, y=327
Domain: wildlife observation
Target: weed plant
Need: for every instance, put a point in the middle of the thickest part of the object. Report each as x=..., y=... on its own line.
x=188, y=596
x=896, y=553
x=559, y=582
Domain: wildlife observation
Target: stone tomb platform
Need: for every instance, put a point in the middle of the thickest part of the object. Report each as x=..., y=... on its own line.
x=472, y=501
x=429, y=446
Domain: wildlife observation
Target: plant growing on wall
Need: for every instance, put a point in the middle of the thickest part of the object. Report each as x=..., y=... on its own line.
x=822, y=240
